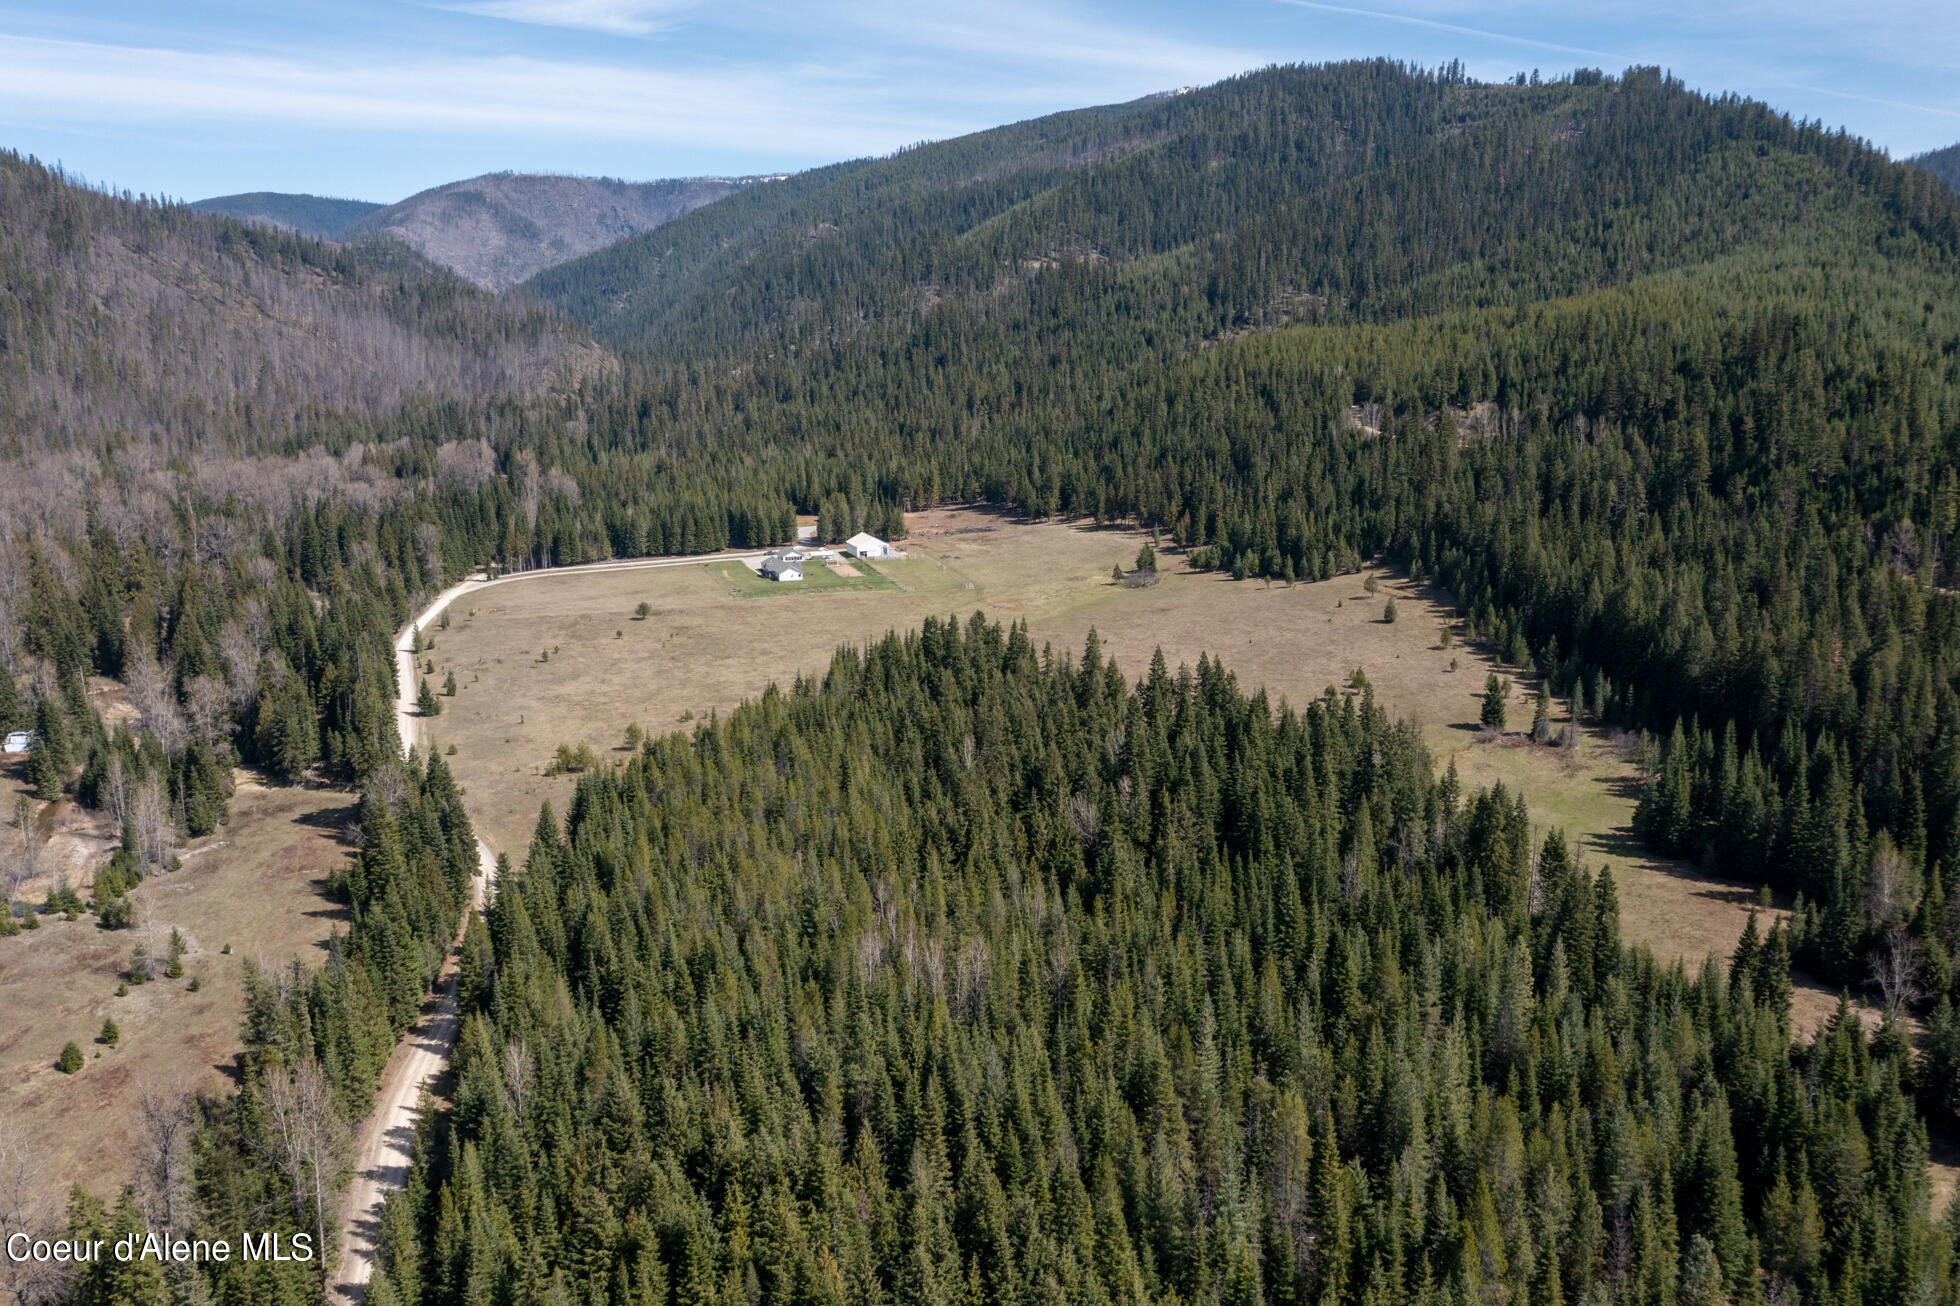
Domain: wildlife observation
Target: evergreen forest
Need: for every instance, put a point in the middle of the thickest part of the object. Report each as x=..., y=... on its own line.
x=981, y=972
x=973, y=973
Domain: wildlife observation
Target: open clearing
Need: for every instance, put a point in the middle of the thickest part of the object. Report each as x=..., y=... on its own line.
x=258, y=884
x=701, y=648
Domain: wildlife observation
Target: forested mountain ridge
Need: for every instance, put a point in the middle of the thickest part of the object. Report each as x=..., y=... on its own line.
x=309, y=215
x=1328, y=193
x=638, y=292
x=498, y=229
x=137, y=322
x=1944, y=164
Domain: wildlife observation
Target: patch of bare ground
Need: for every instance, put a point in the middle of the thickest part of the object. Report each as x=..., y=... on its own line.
x=258, y=885
x=1943, y=1172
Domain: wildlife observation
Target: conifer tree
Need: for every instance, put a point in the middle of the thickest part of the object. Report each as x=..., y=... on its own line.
x=1496, y=692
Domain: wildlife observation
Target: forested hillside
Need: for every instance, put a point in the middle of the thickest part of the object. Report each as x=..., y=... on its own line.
x=309, y=215
x=147, y=325
x=1944, y=164
x=973, y=974
x=968, y=974
x=1351, y=192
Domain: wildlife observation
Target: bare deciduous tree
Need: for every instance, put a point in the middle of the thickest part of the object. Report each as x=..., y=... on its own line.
x=118, y=794
x=241, y=644
x=31, y=1283
x=1086, y=817
x=517, y=1072
x=530, y=486
x=208, y=704
x=164, y=1170
x=155, y=699
x=428, y=539
x=560, y=485
x=1895, y=966
x=20, y=859
x=1889, y=892
x=388, y=786
x=217, y=538
x=309, y=1140
x=151, y=816
x=467, y=463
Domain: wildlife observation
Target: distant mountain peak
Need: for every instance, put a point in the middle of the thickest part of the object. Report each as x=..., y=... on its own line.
x=504, y=227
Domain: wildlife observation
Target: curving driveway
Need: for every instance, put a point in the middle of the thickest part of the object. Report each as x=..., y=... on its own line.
x=385, y=1142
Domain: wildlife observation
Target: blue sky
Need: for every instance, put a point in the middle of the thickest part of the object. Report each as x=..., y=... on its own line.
x=378, y=100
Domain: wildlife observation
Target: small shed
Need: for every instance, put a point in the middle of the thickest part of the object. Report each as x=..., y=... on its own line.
x=784, y=564
x=18, y=741
x=863, y=545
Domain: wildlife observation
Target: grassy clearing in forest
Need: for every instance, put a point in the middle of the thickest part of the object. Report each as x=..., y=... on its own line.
x=700, y=649
x=259, y=885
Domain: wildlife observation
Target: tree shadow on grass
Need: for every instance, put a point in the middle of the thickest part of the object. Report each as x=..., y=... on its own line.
x=343, y=823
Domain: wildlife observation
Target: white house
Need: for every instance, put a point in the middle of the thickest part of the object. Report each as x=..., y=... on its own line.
x=19, y=741
x=862, y=545
x=784, y=564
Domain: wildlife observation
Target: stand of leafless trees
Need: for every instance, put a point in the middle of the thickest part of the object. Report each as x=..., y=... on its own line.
x=20, y=851
x=184, y=327
x=22, y=1211
x=310, y=1142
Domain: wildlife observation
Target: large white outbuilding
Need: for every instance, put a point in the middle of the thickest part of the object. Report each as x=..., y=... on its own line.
x=862, y=545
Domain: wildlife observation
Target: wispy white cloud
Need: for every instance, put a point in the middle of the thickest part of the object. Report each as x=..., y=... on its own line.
x=1801, y=55
x=1044, y=36
x=1935, y=110
x=1435, y=24
x=836, y=79
x=613, y=17
x=194, y=96
x=734, y=107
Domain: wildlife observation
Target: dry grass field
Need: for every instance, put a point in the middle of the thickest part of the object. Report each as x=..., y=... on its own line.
x=1944, y=1172
x=705, y=648
x=1669, y=905
x=702, y=648
x=257, y=885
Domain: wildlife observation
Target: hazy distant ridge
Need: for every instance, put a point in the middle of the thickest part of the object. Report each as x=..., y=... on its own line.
x=1944, y=164
x=501, y=228
x=311, y=215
